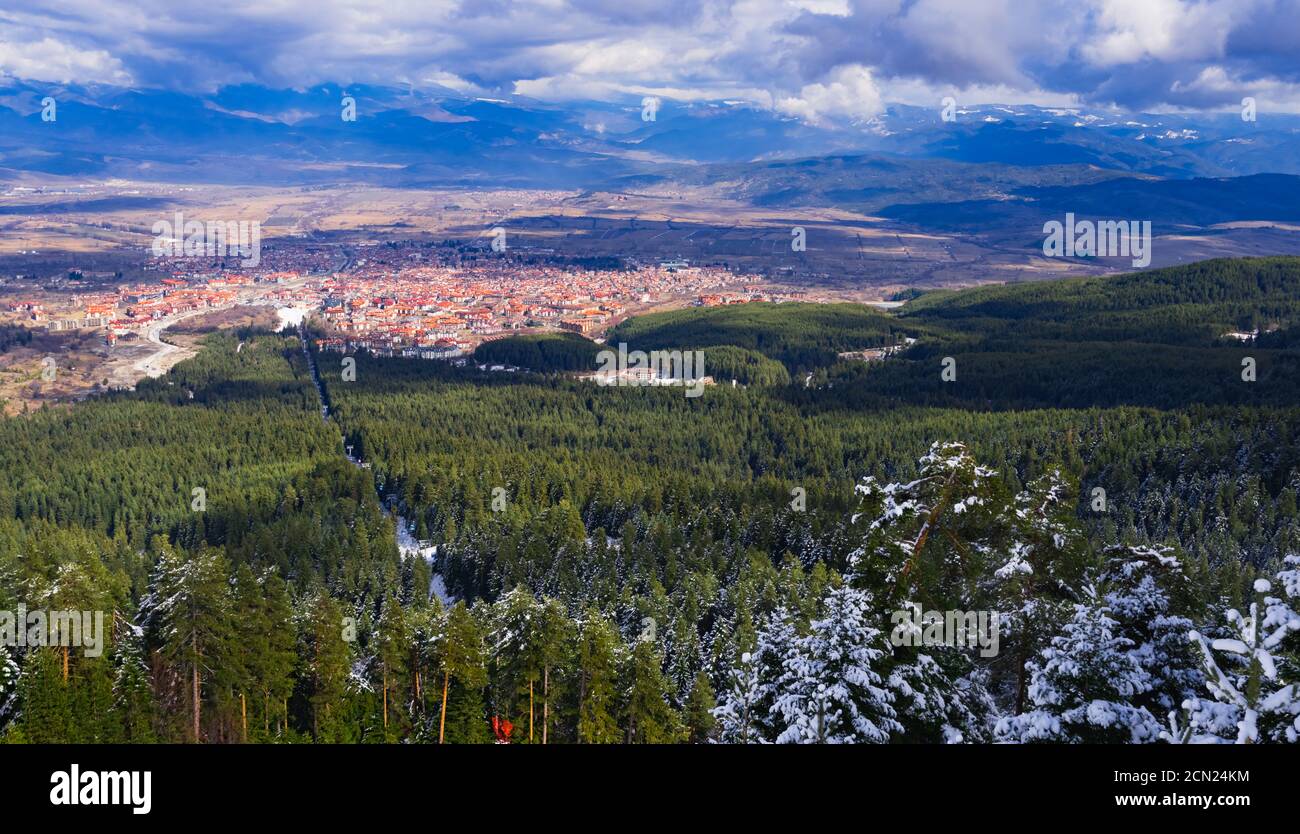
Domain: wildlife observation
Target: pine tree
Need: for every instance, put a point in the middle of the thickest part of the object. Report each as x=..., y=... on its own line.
x=932, y=539
x=190, y=611
x=462, y=719
x=275, y=671
x=515, y=666
x=597, y=668
x=940, y=697
x=237, y=676
x=698, y=713
x=742, y=714
x=829, y=692
x=425, y=623
x=392, y=654
x=648, y=717
x=8, y=678
x=528, y=642
x=747, y=711
x=553, y=637
x=327, y=660
x=45, y=700
x=1040, y=575
x=132, y=695
x=1146, y=589
x=1083, y=687
x=1251, y=695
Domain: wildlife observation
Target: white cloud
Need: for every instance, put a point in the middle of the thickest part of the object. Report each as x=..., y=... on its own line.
x=850, y=93
x=817, y=59
x=923, y=93
x=1162, y=29
x=1270, y=94
x=53, y=60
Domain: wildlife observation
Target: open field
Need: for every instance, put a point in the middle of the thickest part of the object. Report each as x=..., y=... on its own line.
x=85, y=364
x=58, y=367
x=104, y=225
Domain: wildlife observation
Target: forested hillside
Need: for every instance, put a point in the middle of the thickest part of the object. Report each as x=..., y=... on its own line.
x=614, y=564
x=800, y=335
x=541, y=352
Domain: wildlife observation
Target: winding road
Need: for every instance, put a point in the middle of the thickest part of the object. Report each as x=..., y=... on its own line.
x=161, y=360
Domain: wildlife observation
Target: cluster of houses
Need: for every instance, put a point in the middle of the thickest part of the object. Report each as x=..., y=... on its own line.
x=440, y=311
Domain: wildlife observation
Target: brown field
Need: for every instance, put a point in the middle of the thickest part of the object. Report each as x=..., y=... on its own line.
x=85, y=364
x=847, y=252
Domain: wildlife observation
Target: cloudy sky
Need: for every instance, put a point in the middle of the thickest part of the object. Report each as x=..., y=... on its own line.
x=810, y=58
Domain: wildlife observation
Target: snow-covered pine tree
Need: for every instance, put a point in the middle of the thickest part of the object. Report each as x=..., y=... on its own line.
x=1147, y=590
x=931, y=538
x=1251, y=694
x=132, y=696
x=738, y=712
x=1038, y=580
x=746, y=707
x=940, y=697
x=1083, y=687
x=8, y=686
x=829, y=691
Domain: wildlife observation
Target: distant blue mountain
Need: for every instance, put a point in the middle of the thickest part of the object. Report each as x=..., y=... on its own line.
x=1194, y=202
x=404, y=136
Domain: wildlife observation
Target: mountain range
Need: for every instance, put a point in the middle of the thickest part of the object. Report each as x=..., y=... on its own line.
x=991, y=167
x=435, y=136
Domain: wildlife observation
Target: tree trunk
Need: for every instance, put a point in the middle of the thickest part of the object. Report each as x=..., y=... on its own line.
x=530, y=710
x=385, y=696
x=1022, y=655
x=194, y=676
x=546, y=700
x=243, y=715
x=930, y=521
x=442, y=719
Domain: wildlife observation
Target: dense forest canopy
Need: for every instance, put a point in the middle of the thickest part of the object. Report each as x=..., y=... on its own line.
x=799, y=335
x=598, y=564
x=540, y=352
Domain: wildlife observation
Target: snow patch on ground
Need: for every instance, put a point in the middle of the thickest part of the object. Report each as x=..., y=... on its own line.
x=409, y=545
x=290, y=317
